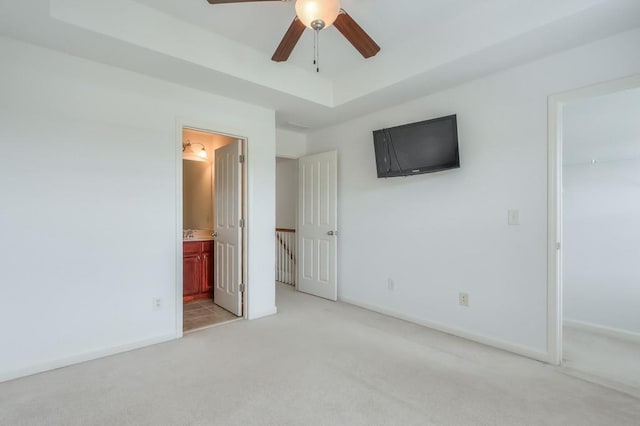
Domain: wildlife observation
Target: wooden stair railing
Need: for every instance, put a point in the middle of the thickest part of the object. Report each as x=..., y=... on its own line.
x=285, y=256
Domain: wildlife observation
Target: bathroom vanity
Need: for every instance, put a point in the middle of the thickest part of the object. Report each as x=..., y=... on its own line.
x=197, y=270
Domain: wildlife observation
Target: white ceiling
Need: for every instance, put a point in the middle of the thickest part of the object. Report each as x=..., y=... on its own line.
x=603, y=128
x=427, y=45
x=262, y=25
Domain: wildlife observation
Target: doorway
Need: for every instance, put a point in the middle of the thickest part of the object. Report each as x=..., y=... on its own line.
x=307, y=223
x=595, y=233
x=213, y=211
x=286, y=220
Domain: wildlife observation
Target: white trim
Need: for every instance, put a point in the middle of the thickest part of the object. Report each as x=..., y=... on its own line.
x=554, y=214
x=601, y=329
x=478, y=338
x=554, y=232
x=83, y=357
x=264, y=313
x=289, y=157
x=245, y=230
x=178, y=308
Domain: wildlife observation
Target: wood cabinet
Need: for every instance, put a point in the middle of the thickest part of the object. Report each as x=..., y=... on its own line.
x=197, y=270
x=207, y=271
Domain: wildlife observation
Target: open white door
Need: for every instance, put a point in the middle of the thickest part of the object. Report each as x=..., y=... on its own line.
x=228, y=232
x=318, y=224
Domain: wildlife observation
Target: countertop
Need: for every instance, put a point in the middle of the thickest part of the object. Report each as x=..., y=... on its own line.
x=188, y=240
x=197, y=235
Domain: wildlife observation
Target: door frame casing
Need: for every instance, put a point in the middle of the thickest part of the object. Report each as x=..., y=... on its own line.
x=181, y=125
x=556, y=105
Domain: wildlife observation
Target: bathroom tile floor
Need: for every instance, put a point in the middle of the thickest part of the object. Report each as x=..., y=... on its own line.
x=204, y=313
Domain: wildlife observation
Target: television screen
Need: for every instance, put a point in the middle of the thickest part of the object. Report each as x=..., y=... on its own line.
x=423, y=147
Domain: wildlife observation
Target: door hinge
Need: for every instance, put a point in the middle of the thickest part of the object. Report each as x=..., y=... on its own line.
x=241, y=158
x=241, y=288
x=241, y=223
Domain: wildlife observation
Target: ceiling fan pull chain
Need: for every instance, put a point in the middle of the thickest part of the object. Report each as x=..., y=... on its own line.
x=317, y=49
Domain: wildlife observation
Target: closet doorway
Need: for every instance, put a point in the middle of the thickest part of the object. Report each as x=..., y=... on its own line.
x=595, y=232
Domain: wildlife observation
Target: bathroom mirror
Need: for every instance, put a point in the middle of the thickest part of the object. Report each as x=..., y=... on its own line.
x=197, y=195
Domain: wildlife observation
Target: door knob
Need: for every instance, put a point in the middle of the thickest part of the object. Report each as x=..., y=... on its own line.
x=214, y=234
x=331, y=233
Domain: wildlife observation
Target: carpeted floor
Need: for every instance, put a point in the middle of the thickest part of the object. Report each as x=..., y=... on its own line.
x=315, y=363
x=602, y=358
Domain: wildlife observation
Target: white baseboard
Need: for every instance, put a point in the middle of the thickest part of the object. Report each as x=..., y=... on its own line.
x=83, y=357
x=601, y=329
x=262, y=314
x=489, y=341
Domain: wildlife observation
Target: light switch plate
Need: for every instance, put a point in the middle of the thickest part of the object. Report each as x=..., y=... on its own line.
x=514, y=217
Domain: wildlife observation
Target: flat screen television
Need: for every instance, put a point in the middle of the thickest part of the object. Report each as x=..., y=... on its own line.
x=423, y=147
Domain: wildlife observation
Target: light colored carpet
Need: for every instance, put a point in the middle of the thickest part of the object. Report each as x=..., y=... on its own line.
x=315, y=363
x=609, y=360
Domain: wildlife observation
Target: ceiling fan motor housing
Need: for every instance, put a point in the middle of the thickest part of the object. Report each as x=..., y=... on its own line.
x=317, y=14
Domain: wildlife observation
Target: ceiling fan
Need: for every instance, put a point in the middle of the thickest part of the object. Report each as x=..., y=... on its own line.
x=318, y=15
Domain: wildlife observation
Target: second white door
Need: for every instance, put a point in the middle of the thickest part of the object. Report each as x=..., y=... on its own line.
x=318, y=225
x=228, y=232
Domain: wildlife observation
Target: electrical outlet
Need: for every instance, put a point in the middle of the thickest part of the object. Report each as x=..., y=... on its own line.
x=156, y=303
x=391, y=285
x=463, y=299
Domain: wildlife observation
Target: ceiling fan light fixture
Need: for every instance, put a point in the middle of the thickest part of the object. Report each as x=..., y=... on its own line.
x=317, y=14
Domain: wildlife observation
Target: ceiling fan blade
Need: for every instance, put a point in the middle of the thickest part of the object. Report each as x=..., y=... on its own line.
x=235, y=1
x=356, y=35
x=289, y=41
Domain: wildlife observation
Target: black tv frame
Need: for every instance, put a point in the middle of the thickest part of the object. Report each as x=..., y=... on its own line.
x=422, y=170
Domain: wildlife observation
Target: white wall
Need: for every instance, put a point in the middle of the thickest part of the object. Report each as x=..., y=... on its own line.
x=286, y=193
x=290, y=144
x=439, y=234
x=89, y=211
x=601, y=235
